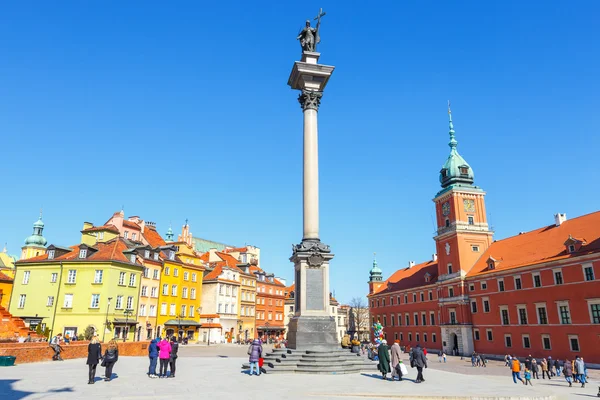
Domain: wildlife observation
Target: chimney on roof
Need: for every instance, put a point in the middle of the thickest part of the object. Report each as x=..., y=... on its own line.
x=434, y=257
x=411, y=264
x=559, y=218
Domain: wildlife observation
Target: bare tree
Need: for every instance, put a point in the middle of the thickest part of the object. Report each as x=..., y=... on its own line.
x=359, y=317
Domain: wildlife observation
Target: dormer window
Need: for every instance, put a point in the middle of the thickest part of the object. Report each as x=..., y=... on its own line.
x=132, y=258
x=573, y=244
x=82, y=253
x=156, y=256
x=427, y=277
x=50, y=254
x=100, y=235
x=491, y=263
x=147, y=254
x=464, y=170
x=571, y=248
x=171, y=255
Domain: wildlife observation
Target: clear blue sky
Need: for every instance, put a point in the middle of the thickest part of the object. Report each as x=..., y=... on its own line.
x=182, y=110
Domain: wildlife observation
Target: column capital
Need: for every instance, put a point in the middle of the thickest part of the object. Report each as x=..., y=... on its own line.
x=310, y=99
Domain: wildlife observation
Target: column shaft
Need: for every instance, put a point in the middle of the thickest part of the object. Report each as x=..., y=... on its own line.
x=311, y=175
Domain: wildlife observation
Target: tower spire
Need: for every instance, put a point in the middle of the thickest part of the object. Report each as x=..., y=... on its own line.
x=453, y=141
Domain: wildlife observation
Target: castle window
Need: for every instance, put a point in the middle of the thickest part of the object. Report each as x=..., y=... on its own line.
x=471, y=220
x=447, y=222
x=449, y=268
x=475, y=249
x=571, y=248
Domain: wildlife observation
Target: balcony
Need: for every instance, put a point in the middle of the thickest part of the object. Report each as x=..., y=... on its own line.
x=464, y=227
x=446, y=277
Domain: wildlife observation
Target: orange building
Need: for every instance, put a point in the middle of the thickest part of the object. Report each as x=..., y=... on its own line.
x=535, y=293
x=270, y=305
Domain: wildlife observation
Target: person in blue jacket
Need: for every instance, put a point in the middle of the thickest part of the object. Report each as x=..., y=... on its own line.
x=153, y=354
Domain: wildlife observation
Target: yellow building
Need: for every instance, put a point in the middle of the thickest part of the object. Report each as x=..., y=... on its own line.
x=247, y=304
x=70, y=289
x=181, y=287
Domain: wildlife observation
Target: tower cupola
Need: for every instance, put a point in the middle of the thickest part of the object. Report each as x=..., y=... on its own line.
x=36, y=239
x=169, y=235
x=455, y=171
x=375, y=274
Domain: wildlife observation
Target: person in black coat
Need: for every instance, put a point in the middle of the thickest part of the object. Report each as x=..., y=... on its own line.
x=111, y=356
x=93, y=358
x=418, y=360
x=173, y=356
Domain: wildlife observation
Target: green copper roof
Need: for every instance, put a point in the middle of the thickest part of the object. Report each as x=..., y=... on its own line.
x=169, y=235
x=375, y=273
x=455, y=170
x=36, y=239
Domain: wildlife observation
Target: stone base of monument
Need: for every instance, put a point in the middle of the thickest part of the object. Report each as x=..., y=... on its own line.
x=332, y=362
x=312, y=333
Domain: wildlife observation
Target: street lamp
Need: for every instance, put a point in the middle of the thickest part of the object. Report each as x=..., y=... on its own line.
x=127, y=313
x=106, y=319
x=267, y=330
x=179, y=330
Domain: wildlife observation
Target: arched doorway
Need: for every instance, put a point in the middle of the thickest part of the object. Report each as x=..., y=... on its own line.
x=453, y=344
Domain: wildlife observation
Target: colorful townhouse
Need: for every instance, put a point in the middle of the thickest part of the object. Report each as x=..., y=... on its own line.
x=181, y=287
x=533, y=293
x=70, y=289
x=270, y=304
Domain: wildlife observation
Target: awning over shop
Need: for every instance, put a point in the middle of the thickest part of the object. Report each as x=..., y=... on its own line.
x=211, y=325
x=123, y=321
x=183, y=322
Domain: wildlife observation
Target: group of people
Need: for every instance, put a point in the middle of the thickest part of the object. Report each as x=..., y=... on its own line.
x=572, y=370
x=389, y=361
x=478, y=360
x=165, y=352
x=95, y=356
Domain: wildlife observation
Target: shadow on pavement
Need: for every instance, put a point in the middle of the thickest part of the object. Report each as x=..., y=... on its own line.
x=378, y=377
x=7, y=392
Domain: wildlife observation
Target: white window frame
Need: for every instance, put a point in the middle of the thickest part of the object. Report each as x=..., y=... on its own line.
x=503, y=285
x=50, y=301
x=142, y=310
x=98, y=274
x=508, y=335
x=154, y=291
x=132, y=279
x=96, y=297
x=144, y=291
x=193, y=294
x=487, y=335
x=591, y=302
x=500, y=312
x=537, y=314
x=172, y=309
x=163, y=308
x=549, y=341
x=523, y=337
x=483, y=301
x=122, y=276
x=22, y=300
x=578, y=343
x=119, y=303
x=152, y=311
x=554, y=271
x=26, y=276
x=174, y=290
x=476, y=335
x=519, y=308
x=483, y=283
x=184, y=293
x=474, y=309
x=588, y=265
x=533, y=275
x=432, y=314
x=100, y=235
x=471, y=287
x=186, y=276
x=564, y=303
x=50, y=254
x=475, y=248
x=155, y=274
x=515, y=281
x=53, y=277
x=193, y=277
x=82, y=253
x=68, y=304
x=73, y=276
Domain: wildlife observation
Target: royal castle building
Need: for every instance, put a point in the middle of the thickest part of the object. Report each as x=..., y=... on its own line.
x=534, y=293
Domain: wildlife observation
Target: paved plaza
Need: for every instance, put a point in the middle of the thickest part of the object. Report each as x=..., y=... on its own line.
x=215, y=373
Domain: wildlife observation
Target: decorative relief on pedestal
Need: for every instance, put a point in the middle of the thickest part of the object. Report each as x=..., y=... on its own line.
x=310, y=246
x=310, y=99
x=315, y=260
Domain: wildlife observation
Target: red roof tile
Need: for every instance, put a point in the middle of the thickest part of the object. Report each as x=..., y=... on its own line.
x=106, y=251
x=5, y=278
x=236, y=250
x=409, y=278
x=153, y=237
x=131, y=225
x=542, y=245
x=108, y=227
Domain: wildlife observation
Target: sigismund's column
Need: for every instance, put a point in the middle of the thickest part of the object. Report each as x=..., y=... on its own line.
x=312, y=327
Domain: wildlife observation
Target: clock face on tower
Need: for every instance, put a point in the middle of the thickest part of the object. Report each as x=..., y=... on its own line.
x=446, y=209
x=469, y=205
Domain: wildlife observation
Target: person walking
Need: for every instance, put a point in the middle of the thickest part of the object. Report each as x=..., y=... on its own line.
x=384, y=359
x=568, y=372
x=396, y=352
x=173, y=357
x=545, y=369
x=528, y=363
x=444, y=356
x=535, y=369
x=111, y=356
x=419, y=361
x=483, y=361
x=528, y=377
x=557, y=367
x=255, y=352
x=551, y=366
x=580, y=368
x=164, y=354
x=516, y=370
x=93, y=358
x=153, y=356
x=55, y=344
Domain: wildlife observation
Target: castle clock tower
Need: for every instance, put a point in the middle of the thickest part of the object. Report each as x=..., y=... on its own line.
x=462, y=236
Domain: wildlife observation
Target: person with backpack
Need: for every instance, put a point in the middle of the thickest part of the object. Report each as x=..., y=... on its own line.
x=164, y=355
x=173, y=357
x=255, y=352
x=93, y=358
x=111, y=356
x=153, y=355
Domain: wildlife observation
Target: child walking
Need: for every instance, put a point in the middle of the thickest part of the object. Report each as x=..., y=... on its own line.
x=528, y=377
